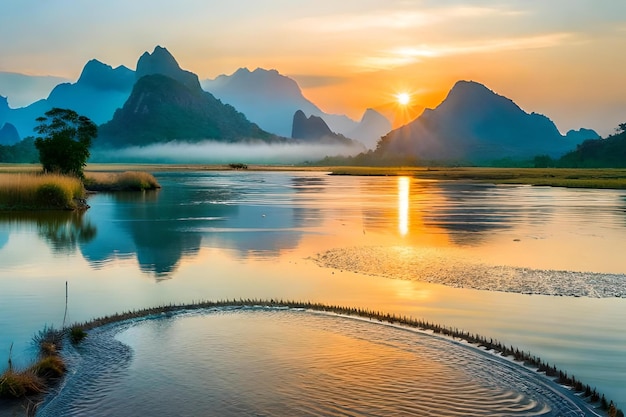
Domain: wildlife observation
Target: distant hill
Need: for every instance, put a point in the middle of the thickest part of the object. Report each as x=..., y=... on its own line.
x=23, y=89
x=315, y=129
x=99, y=91
x=270, y=100
x=8, y=134
x=172, y=106
x=474, y=125
x=266, y=97
x=370, y=129
x=598, y=153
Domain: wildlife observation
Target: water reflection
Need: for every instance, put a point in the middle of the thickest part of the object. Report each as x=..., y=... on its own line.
x=261, y=215
x=253, y=215
x=64, y=231
x=403, y=204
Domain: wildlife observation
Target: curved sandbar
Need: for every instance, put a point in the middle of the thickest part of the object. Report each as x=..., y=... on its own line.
x=342, y=365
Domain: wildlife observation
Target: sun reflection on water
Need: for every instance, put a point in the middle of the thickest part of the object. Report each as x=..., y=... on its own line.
x=403, y=205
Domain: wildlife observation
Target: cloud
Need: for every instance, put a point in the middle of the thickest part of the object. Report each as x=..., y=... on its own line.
x=410, y=54
x=211, y=152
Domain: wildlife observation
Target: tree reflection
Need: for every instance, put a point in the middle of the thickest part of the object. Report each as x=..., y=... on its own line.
x=62, y=230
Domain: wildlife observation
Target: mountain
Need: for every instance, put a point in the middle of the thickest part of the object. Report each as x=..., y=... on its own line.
x=580, y=135
x=23, y=118
x=168, y=106
x=474, y=124
x=266, y=97
x=9, y=135
x=23, y=89
x=160, y=61
x=270, y=99
x=99, y=91
x=370, y=129
x=309, y=128
x=598, y=153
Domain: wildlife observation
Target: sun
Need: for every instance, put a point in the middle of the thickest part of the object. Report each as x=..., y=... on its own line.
x=403, y=98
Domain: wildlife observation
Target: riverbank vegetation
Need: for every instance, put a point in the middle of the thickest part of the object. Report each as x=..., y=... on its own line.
x=81, y=330
x=29, y=190
x=124, y=181
x=21, y=191
x=31, y=384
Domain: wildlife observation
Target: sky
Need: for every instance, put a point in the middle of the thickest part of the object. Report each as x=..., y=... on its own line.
x=561, y=58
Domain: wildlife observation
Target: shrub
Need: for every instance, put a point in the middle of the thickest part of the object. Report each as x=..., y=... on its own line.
x=49, y=367
x=20, y=384
x=125, y=181
x=77, y=334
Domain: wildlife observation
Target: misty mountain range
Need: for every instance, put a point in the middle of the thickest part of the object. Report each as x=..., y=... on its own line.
x=160, y=103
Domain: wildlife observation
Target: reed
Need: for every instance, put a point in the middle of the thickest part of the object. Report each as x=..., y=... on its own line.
x=21, y=191
x=124, y=181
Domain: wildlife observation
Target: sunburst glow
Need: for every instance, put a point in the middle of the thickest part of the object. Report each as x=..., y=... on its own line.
x=403, y=98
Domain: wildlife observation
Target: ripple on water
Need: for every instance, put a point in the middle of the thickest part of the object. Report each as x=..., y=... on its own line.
x=438, y=267
x=274, y=362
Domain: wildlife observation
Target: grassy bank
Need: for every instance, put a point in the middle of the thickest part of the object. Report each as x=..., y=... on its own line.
x=21, y=191
x=124, y=181
x=555, y=177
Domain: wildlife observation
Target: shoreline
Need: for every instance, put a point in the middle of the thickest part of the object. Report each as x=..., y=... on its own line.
x=592, y=178
x=568, y=388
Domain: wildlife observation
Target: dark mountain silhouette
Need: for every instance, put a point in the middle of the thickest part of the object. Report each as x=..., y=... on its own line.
x=474, y=124
x=309, y=128
x=160, y=61
x=161, y=109
x=582, y=134
x=9, y=135
x=598, y=153
x=171, y=105
x=270, y=99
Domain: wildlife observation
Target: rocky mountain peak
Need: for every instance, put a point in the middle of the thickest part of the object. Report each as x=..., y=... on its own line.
x=162, y=62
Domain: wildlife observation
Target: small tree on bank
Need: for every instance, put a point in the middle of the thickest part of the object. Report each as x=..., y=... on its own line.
x=65, y=141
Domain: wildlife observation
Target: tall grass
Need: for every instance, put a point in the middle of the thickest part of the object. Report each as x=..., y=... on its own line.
x=40, y=192
x=125, y=181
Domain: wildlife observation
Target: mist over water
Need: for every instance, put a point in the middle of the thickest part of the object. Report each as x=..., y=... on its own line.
x=213, y=152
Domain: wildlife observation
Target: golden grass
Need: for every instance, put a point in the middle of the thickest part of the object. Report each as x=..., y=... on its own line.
x=18, y=384
x=124, y=181
x=27, y=191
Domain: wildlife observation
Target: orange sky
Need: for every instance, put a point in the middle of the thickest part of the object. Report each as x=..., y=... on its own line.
x=561, y=58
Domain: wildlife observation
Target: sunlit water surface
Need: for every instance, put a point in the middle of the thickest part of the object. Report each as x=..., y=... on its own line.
x=218, y=235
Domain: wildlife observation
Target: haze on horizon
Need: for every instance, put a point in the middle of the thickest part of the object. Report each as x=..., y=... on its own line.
x=559, y=58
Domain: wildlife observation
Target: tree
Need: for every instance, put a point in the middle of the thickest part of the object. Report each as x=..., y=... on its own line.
x=65, y=141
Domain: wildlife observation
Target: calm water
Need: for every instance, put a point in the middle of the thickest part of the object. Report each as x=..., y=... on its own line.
x=211, y=235
x=236, y=362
